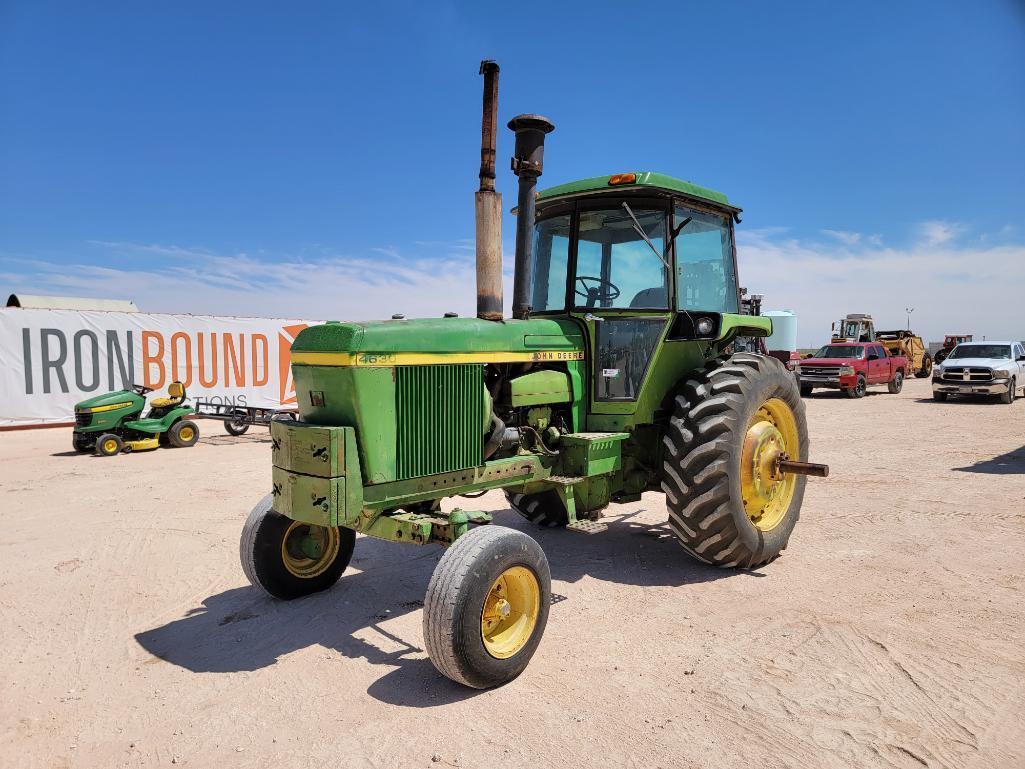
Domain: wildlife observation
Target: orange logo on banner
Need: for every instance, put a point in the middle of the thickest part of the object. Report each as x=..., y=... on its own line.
x=285, y=384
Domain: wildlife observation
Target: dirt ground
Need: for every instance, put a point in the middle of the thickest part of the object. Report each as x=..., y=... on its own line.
x=890, y=633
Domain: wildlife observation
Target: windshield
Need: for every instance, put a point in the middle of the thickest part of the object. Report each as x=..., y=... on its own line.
x=839, y=351
x=616, y=268
x=980, y=351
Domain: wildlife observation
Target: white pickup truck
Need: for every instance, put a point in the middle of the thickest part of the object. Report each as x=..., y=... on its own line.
x=981, y=368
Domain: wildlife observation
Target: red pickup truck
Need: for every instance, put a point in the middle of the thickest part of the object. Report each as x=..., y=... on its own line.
x=852, y=367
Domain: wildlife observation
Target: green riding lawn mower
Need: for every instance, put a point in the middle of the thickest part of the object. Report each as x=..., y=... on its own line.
x=113, y=423
x=614, y=377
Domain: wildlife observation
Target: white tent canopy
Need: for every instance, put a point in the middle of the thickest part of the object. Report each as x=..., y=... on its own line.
x=28, y=302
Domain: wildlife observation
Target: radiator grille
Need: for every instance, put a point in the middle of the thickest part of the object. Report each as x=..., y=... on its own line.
x=964, y=374
x=440, y=418
x=83, y=418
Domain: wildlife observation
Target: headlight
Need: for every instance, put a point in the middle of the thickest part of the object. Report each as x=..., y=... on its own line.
x=846, y=370
x=937, y=372
x=704, y=326
x=998, y=374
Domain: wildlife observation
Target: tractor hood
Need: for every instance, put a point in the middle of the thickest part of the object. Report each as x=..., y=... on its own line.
x=117, y=398
x=438, y=340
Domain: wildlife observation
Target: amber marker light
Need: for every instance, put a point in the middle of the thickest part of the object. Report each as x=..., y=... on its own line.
x=622, y=179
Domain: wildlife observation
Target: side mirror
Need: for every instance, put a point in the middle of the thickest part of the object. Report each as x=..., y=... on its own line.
x=1021, y=358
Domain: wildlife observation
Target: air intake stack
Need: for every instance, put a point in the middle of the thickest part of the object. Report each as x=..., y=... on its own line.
x=527, y=164
x=488, y=205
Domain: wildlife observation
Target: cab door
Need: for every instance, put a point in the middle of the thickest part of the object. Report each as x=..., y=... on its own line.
x=620, y=290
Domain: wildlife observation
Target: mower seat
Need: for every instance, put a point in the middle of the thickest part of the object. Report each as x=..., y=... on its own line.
x=176, y=393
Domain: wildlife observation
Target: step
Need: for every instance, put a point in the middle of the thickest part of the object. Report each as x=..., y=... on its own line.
x=587, y=527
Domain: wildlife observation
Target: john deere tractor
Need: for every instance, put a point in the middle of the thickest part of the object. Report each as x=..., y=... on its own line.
x=613, y=378
x=113, y=422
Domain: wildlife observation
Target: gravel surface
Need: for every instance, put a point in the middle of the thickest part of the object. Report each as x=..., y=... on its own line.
x=890, y=633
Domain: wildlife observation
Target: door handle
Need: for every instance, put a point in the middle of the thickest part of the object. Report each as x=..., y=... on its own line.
x=593, y=318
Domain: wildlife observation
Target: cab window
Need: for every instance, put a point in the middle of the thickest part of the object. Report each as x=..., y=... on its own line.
x=616, y=267
x=705, y=275
x=551, y=264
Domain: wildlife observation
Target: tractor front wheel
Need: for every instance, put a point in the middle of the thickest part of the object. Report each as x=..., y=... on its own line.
x=487, y=606
x=183, y=434
x=732, y=424
x=108, y=444
x=290, y=559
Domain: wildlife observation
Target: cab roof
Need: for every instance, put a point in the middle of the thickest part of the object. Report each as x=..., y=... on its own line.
x=648, y=179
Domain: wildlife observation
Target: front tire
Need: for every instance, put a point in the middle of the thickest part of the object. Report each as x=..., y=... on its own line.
x=858, y=391
x=938, y=396
x=896, y=384
x=109, y=445
x=290, y=559
x=730, y=423
x=83, y=443
x=183, y=433
x=487, y=606
x=1008, y=397
x=806, y=390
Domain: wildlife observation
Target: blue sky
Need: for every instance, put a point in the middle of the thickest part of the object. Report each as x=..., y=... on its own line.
x=185, y=153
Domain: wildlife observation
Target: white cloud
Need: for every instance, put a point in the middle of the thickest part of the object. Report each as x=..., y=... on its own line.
x=176, y=279
x=938, y=232
x=975, y=289
x=847, y=238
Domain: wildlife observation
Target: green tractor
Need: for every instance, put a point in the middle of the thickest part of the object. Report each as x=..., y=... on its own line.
x=112, y=423
x=614, y=377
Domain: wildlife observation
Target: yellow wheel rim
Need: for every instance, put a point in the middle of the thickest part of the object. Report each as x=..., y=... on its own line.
x=109, y=446
x=771, y=436
x=186, y=434
x=307, y=550
x=510, y=612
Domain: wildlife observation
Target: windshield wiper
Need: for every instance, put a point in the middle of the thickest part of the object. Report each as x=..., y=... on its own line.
x=640, y=231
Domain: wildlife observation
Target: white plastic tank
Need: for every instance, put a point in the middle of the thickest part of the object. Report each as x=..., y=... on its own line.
x=784, y=330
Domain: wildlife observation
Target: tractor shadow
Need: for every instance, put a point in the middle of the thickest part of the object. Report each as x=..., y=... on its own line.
x=1009, y=463
x=242, y=629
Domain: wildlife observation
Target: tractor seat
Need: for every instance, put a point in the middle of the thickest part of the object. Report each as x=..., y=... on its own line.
x=176, y=394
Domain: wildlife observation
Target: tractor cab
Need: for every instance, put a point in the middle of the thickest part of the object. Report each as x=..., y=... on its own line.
x=641, y=260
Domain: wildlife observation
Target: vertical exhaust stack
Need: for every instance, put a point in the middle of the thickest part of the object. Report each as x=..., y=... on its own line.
x=488, y=205
x=527, y=164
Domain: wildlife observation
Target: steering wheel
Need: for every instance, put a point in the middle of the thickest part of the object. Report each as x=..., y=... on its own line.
x=602, y=289
x=142, y=389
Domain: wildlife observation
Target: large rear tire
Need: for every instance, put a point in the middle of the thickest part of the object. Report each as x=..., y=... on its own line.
x=543, y=509
x=487, y=606
x=730, y=422
x=290, y=559
x=926, y=368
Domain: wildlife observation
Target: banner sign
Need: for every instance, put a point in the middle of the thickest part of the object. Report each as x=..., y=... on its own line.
x=52, y=359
